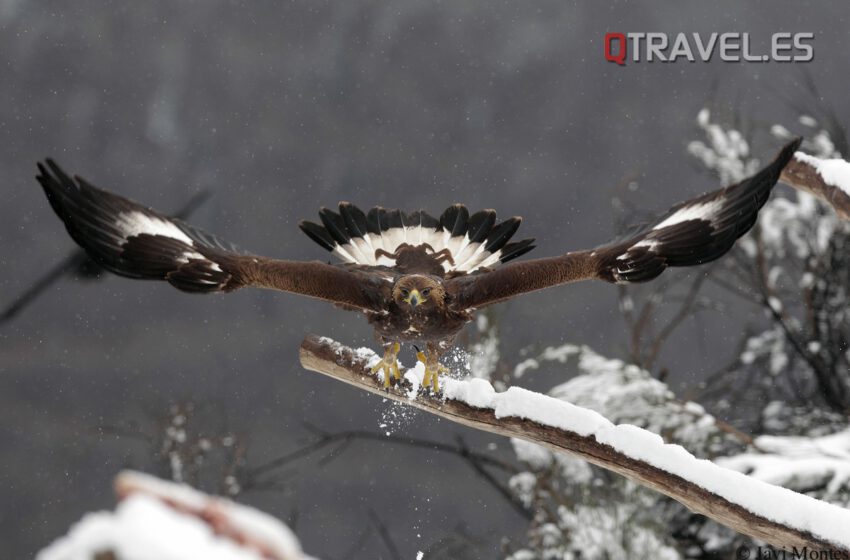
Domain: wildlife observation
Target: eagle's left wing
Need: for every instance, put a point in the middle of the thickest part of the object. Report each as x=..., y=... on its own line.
x=137, y=242
x=692, y=233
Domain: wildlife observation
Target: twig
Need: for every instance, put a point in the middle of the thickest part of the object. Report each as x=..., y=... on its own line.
x=253, y=478
x=681, y=315
x=475, y=463
x=384, y=534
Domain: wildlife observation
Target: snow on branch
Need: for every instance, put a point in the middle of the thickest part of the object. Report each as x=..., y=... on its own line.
x=778, y=516
x=160, y=520
x=827, y=179
x=811, y=464
x=825, y=175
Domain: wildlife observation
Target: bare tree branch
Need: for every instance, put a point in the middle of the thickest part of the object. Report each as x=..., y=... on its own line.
x=384, y=533
x=262, y=477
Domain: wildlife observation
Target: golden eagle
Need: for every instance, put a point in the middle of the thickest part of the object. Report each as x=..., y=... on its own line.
x=416, y=278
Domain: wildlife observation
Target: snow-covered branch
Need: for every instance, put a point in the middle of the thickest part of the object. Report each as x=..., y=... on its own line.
x=775, y=515
x=160, y=520
x=795, y=265
x=823, y=174
x=827, y=179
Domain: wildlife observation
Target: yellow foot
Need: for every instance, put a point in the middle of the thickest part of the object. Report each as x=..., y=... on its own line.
x=432, y=372
x=389, y=364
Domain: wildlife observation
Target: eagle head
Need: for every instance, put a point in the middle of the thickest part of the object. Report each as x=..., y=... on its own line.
x=418, y=290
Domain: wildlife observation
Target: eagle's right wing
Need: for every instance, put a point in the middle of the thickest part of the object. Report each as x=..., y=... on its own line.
x=692, y=233
x=131, y=240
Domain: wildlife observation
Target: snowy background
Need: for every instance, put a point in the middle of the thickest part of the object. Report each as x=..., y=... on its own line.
x=281, y=110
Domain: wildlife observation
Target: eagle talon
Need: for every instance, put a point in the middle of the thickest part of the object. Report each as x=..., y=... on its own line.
x=433, y=369
x=389, y=364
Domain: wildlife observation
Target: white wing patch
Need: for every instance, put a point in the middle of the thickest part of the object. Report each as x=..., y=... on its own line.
x=703, y=211
x=192, y=255
x=650, y=244
x=132, y=224
x=136, y=223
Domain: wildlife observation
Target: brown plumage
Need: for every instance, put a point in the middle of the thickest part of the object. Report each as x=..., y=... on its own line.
x=415, y=277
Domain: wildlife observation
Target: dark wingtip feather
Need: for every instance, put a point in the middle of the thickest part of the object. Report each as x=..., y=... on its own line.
x=480, y=225
x=354, y=219
x=789, y=149
x=501, y=234
x=58, y=189
x=516, y=249
x=393, y=219
x=455, y=219
x=373, y=224
x=58, y=172
x=318, y=234
x=335, y=225
x=776, y=166
x=428, y=221
x=412, y=219
x=381, y=218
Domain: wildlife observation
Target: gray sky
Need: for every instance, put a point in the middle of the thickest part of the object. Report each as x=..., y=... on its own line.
x=284, y=109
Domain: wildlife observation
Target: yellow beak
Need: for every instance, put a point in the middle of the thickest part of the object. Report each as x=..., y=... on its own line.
x=414, y=299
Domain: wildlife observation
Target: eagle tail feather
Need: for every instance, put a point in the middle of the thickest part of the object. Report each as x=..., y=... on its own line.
x=474, y=241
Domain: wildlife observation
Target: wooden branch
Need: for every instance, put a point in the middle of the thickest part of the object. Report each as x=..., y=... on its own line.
x=330, y=358
x=245, y=527
x=821, y=178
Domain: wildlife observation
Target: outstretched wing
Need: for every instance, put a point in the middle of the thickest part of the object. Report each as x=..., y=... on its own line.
x=692, y=233
x=131, y=240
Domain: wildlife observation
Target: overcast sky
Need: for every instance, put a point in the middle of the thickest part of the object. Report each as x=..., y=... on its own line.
x=282, y=109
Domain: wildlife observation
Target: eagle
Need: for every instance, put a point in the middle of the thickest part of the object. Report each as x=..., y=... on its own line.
x=417, y=279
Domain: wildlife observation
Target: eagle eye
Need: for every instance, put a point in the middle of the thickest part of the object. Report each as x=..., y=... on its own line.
x=405, y=292
x=426, y=291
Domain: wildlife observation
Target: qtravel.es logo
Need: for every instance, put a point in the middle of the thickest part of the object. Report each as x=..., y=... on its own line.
x=621, y=48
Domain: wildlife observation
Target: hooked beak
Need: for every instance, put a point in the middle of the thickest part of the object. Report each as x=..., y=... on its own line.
x=414, y=299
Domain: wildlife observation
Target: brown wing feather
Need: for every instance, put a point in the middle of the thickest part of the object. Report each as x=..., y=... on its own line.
x=138, y=242
x=692, y=233
x=340, y=284
x=486, y=288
